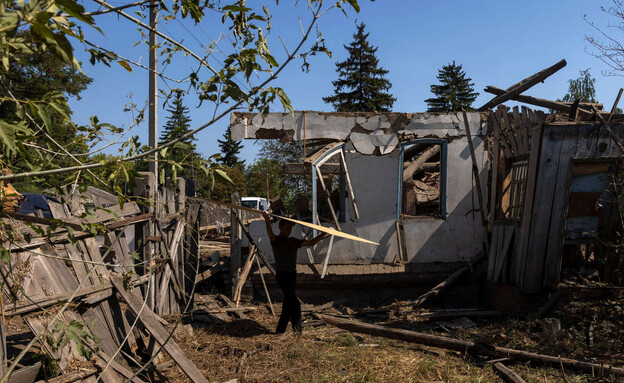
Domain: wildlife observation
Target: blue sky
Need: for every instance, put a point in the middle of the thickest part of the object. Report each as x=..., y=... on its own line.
x=497, y=43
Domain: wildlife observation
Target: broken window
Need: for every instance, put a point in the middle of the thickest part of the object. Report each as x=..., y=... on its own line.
x=423, y=178
x=332, y=192
x=511, y=199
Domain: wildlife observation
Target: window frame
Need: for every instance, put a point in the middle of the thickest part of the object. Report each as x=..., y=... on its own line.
x=443, y=173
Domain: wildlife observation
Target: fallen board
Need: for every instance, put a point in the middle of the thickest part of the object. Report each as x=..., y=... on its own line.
x=466, y=346
x=152, y=323
x=324, y=229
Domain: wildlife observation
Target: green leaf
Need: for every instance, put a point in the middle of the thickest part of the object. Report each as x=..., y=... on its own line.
x=60, y=109
x=272, y=60
x=354, y=4
x=43, y=114
x=125, y=65
x=284, y=100
x=236, y=8
x=74, y=9
x=223, y=175
x=8, y=130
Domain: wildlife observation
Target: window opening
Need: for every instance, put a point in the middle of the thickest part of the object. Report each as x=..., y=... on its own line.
x=423, y=178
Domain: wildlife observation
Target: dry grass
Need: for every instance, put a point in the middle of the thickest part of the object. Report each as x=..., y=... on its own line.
x=248, y=351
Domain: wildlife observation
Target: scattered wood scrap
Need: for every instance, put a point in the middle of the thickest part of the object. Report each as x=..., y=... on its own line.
x=465, y=346
x=62, y=287
x=507, y=373
x=160, y=334
x=516, y=89
x=451, y=313
x=446, y=284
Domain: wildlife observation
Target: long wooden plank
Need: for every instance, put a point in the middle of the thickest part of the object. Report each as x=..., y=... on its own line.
x=100, y=318
x=615, y=104
x=210, y=272
x=442, y=286
x=82, y=375
x=493, y=253
x=264, y=285
x=465, y=346
x=500, y=134
x=555, y=237
x=242, y=278
x=25, y=375
x=343, y=161
x=104, y=327
x=495, y=170
x=54, y=285
x=173, y=253
x=324, y=229
x=541, y=102
x=156, y=330
x=523, y=85
x=529, y=269
x=103, y=359
x=507, y=374
x=502, y=256
x=475, y=173
x=107, y=214
x=529, y=198
x=326, y=261
x=327, y=197
x=522, y=127
x=508, y=128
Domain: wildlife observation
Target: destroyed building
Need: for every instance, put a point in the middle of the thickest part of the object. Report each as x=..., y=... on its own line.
x=401, y=180
x=533, y=192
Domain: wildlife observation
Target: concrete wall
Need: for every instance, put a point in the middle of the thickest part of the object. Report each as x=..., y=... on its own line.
x=428, y=239
x=375, y=183
x=461, y=235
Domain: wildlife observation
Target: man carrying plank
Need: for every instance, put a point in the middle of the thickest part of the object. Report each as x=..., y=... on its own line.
x=285, y=253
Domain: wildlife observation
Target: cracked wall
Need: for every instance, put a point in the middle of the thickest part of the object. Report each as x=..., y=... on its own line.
x=372, y=156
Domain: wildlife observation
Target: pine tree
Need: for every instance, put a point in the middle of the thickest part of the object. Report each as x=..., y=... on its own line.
x=230, y=149
x=361, y=85
x=454, y=93
x=183, y=154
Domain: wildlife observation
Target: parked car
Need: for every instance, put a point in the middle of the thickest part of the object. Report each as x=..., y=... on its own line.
x=257, y=203
x=33, y=203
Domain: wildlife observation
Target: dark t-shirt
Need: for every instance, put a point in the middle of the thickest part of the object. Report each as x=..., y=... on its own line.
x=285, y=252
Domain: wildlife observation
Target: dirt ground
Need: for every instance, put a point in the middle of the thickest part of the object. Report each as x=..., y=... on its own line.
x=247, y=350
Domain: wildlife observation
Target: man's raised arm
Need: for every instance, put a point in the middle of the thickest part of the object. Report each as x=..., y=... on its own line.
x=269, y=229
x=314, y=241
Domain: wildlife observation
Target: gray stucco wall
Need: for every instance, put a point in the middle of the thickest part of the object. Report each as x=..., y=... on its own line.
x=461, y=235
x=375, y=184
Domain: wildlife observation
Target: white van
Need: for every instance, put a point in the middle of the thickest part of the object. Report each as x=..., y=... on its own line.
x=257, y=203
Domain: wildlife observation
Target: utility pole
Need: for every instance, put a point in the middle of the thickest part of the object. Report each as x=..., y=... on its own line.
x=152, y=121
x=153, y=89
